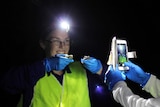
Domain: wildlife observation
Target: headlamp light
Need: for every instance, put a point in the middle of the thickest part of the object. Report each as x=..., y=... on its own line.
x=64, y=25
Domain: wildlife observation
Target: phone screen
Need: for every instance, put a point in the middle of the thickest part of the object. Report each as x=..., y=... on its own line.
x=122, y=54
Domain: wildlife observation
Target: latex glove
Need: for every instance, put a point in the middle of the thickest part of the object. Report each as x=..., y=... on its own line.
x=58, y=62
x=136, y=74
x=113, y=76
x=92, y=64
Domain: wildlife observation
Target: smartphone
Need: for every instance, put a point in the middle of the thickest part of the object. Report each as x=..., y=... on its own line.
x=121, y=54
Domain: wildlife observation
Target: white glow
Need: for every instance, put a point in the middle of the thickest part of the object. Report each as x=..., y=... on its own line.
x=65, y=25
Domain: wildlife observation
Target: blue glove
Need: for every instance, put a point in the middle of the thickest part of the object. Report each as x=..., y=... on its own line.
x=113, y=76
x=136, y=74
x=58, y=62
x=92, y=64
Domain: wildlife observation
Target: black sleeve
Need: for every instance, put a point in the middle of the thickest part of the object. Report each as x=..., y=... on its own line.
x=16, y=79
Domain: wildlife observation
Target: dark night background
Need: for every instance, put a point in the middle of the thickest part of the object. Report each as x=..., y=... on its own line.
x=94, y=24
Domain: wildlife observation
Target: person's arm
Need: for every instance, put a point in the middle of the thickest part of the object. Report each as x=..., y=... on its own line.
x=19, y=78
x=146, y=80
x=153, y=86
x=123, y=95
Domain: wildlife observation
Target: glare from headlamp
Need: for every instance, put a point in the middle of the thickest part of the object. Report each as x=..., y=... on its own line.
x=64, y=25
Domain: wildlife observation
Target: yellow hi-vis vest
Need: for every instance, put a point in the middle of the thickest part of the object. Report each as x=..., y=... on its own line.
x=48, y=92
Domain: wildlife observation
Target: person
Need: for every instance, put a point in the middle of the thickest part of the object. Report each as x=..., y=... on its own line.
x=57, y=80
x=124, y=95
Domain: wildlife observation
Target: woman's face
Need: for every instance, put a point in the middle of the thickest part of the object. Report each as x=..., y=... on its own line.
x=57, y=42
